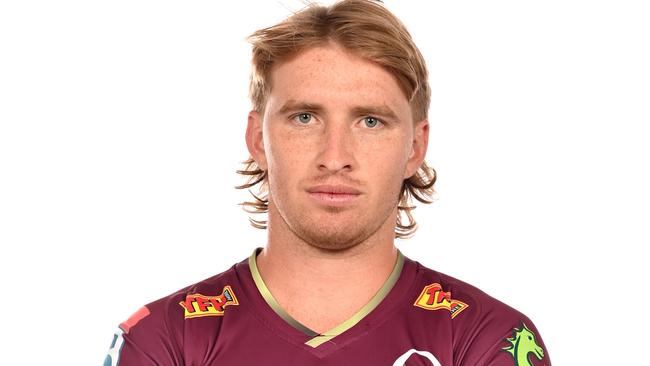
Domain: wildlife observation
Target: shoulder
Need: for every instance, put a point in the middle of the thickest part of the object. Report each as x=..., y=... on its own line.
x=156, y=333
x=482, y=326
x=465, y=298
x=202, y=298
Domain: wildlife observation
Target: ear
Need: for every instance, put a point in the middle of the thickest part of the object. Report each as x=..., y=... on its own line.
x=418, y=148
x=255, y=139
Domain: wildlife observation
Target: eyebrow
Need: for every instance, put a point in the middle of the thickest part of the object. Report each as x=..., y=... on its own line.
x=293, y=105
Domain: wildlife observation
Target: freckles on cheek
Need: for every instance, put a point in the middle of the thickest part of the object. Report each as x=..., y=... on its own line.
x=285, y=159
x=392, y=148
x=379, y=163
x=294, y=147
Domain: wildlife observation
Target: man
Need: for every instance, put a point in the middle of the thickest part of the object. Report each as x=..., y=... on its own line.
x=337, y=136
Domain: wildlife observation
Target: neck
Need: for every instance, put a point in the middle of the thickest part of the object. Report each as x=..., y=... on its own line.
x=293, y=269
x=286, y=256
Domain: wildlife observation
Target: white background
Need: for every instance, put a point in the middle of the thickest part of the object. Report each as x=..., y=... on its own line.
x=122, y=123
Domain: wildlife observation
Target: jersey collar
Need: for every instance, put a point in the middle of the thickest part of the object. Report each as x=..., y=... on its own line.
x=316, y=338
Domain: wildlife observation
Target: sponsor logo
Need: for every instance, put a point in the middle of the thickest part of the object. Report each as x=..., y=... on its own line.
x=401, y=361
x=197, y=305
x=522, y=344
x=113, y=356
x=434, y=298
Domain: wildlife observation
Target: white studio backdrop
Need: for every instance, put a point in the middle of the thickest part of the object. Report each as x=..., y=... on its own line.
x=122, y=123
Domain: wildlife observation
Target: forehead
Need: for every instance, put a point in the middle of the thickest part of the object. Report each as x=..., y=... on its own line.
x=332, y=74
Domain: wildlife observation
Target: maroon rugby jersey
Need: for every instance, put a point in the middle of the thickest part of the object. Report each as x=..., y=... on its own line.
x=418, y=317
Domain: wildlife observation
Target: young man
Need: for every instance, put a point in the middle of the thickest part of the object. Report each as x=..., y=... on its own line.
x=337, y=136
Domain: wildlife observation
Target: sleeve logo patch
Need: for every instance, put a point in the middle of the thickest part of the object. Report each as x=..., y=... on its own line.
x=113, y=356
x=522, y=343
x=197, y=305
x=433, y=297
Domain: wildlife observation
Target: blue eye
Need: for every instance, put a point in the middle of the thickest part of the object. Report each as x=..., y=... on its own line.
x=303, y=118
x=371, y=121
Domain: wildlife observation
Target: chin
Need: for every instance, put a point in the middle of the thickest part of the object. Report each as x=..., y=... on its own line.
x=333, y=237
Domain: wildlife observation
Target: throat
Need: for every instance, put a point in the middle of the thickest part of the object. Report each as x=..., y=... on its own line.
x=321, y=316
x=324, y=304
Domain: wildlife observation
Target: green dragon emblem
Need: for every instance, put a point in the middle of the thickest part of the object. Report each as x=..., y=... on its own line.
x=521, y=344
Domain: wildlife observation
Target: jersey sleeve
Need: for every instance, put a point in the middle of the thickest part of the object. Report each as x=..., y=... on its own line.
x=147, y=338
x=491, y=333
x=520, y=345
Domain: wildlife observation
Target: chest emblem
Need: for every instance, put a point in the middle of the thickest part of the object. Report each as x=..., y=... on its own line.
x=401, y=361
x=433, y=297
x=197, y=305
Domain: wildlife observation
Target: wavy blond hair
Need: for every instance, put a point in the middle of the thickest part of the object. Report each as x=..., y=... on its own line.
x=367, y=29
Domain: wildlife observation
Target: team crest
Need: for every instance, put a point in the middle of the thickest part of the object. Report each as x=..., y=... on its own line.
x=522, y=344
x=198, y=305
x=402, y=360
x=433, y=297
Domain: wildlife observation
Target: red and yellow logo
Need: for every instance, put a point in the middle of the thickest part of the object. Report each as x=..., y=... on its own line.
x=434, y=298
x=197, y=305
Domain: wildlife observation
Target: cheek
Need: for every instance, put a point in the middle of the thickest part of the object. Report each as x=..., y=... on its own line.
x=384, y=166
x=390, y=155
x=286, y=159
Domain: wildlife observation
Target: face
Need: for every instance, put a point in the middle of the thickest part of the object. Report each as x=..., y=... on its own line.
x=337, y=139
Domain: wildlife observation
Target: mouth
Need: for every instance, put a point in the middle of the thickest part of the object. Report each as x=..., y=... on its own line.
x=334, y=195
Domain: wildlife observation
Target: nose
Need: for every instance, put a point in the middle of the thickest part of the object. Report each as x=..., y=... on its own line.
x=336, y=151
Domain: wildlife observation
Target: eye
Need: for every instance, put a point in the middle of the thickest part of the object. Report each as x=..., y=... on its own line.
x=303, y=118
x=371, y=121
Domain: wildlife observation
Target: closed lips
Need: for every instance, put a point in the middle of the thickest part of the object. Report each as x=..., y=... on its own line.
x=329, y=189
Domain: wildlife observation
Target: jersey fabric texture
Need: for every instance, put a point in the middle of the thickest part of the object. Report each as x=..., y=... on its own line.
x=418, y=317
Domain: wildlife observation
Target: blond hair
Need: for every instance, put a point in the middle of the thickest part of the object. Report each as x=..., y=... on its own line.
x=367, y=29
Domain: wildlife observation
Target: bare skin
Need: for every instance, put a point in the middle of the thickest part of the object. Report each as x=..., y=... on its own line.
x=337, y=138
